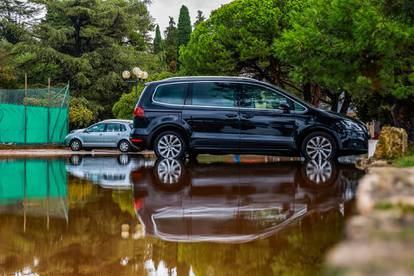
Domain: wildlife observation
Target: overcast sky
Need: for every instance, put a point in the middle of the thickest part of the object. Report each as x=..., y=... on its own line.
x=162, y=9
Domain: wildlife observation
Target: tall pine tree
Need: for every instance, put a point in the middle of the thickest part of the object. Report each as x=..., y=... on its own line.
x=199, y=18
x=171, y=45
x=184, y=26
x=16, y=16
x=157, y=40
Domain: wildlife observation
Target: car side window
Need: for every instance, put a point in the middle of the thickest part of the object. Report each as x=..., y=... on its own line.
x=218, y=94
x=254, y=96
x=171, y=93
x=113, y=127
x=97, y=128
x=123, y=127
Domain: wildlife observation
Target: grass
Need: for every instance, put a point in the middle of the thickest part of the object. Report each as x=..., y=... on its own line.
x=405, y=161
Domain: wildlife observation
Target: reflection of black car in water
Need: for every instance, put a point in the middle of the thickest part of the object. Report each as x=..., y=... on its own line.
x=230, y=202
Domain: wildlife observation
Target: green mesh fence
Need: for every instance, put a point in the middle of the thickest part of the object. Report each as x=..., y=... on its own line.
x=34, y=116
x=32, y=179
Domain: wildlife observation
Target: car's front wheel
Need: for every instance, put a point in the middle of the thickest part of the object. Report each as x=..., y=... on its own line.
x=124, y=146
x=75, y=145
x=319, y=146
x=169, y=145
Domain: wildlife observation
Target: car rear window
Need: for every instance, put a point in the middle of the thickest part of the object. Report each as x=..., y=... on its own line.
x=171, y=93
x=214, y=94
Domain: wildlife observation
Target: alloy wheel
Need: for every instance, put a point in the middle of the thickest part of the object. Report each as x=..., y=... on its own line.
x=75, y=145
x=319, y=171
x=124, y=146
x=319, y=147
x=169, y=171
x=169, y=146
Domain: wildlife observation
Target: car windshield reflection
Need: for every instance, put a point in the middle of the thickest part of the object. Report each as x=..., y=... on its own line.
x=237, y=201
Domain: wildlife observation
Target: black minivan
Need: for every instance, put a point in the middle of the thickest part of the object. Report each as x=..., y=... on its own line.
x=221, y=115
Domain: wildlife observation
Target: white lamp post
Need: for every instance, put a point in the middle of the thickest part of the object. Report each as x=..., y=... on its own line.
x=138, y=73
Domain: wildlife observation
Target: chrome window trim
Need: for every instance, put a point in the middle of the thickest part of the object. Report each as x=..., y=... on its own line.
x=223, y=107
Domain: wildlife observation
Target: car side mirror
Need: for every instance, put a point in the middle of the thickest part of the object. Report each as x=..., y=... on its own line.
x=285, y=107
x=86, y=131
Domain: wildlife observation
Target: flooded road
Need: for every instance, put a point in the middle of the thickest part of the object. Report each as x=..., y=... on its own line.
x=129, y=215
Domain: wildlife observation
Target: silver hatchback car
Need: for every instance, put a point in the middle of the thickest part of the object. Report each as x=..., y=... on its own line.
x=106, y=134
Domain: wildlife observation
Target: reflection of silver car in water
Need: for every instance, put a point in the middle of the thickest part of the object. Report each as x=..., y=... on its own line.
x=229, y=202
x=106, y=171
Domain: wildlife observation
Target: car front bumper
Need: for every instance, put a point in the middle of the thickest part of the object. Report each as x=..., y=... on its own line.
x=354, y=142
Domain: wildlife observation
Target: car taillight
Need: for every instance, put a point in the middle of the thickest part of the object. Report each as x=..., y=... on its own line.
x=139, y=112
x=138, y=204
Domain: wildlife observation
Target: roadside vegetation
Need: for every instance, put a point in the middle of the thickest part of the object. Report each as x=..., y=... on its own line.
x=336, y=54
x=405, y=161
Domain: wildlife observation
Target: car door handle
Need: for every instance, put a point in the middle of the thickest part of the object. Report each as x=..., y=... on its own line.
x=231, y=115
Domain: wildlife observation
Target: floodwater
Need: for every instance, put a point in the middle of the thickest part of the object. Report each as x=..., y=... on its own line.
x=131, y=215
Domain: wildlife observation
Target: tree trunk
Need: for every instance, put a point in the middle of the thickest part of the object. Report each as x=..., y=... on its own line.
x=346, y=103
x=307, y=94
x=334, y=97
x=403, y=117
x=77, y=38
x=316, y=95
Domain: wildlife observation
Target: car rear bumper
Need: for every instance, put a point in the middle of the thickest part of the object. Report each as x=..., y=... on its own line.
x=139, y=140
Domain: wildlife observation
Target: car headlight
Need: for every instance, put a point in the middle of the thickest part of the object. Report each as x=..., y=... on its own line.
x=352, y=125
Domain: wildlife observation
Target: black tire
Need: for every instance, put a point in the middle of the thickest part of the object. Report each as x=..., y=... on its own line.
x=75, y=145
x=192, y=155
x=312, y=149
x=167, y=140
x=124, y=159
x=75, y=160
x=124, y=146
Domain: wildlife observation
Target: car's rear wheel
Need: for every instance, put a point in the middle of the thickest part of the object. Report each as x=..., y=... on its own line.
x=169, y=145
x=75, y=145
x=320, y=146
x=124, y=146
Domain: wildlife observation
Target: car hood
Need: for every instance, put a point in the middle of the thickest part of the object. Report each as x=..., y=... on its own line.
x=77, y=130
x=337, y=115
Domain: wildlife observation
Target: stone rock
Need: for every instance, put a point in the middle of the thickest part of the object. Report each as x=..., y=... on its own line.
x=392, y=143
x=381, y=244
x=379, y=241
x=386, y=186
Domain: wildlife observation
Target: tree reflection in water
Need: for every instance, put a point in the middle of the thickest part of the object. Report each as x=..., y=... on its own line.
x=89, y=241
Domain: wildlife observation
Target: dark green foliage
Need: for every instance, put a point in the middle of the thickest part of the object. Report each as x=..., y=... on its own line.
x=171, y=45
x=15, y=17
x=369, y=54
x=88, y=43
x=7, y=77
x=184, y=26
x=238, y=38
x=157, y=40
x=200, y=18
